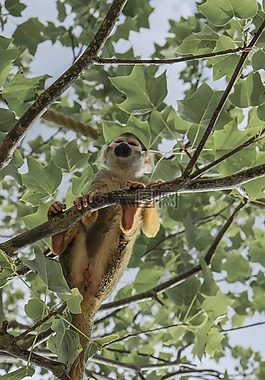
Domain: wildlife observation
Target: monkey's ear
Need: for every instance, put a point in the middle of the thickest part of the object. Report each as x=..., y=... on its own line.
x=101, y=158
x=149, y=162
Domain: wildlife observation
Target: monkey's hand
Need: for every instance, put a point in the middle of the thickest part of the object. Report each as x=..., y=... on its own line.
x=138, y=185
x=84, y=200
x=57, y=240
x=55, y=209
x=157, y=182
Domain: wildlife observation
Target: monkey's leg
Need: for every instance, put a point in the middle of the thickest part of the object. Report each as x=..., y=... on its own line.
x=151, y=222
x=129, y=211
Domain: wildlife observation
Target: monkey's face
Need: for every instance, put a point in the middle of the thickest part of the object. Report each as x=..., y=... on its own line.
x=126, y=152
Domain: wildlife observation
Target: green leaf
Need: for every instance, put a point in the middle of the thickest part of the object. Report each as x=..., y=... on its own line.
x=21, y=91
x=184, y=294
x=216, y=305
x=214, y=339
x=199, y=43
x=7, y=57
x=35, y=309
x=65, y=343
x=200, y=338
x=7, y=121
x=7, y=268
x=19, y=374
x=33, y=219
x=229, y=138
x=248, y=92
x=176, y=334
x=106, y=339
x=225, y=64
x=237, y=268
x=82, y=181
x=144, y=93
x=221, y=13
x=256, y=252
x=166, y=169
x=40, y=181
x=69, y=157
x=258, y=297
x=12, y=168
x=14, y=7
x=139, y=11
x=50, y=272
x=255, y=188
x=146, y=279
x=61, y=8
x=261, y=112
x=73, y=300
x=29, y=34
x=209, y=286
x=258, y=59
x=200, y=106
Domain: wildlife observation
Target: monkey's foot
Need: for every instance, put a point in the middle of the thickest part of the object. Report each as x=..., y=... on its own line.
x=55, y=209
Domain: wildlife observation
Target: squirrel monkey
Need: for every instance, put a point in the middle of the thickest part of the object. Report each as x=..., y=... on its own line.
x=95, y=251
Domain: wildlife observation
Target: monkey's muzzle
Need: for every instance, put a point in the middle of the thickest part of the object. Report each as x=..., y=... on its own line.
x=123, y=150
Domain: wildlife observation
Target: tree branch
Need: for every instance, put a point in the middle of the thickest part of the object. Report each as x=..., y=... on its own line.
x=169, y=61
x=243, y=327
x=250, y=141
x=44, y=101
x=179, y=185
x=9, y=345
x=222, y=101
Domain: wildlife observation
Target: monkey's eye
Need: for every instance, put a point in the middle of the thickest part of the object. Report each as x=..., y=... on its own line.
x=132, y=143
x=118, y=141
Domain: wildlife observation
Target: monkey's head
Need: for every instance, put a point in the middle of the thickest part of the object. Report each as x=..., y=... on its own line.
x=127, y=152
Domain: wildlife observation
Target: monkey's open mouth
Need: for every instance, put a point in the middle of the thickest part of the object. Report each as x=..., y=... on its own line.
x=122, y=150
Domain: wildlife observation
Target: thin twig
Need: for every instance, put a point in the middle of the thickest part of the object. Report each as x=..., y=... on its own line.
x=169, y=61
x=250, y=141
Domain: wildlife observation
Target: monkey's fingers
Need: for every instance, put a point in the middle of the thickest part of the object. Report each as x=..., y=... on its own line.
x=84, y=200
x=157, y=182
x=135, y=185
x=78, y=202
x=56, y=208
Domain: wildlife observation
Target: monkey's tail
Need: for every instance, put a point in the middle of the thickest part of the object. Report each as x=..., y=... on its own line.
x=84, y=323
x=78, y=366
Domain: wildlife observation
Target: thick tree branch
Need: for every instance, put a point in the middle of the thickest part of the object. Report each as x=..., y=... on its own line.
x=44, y=101
x=222, y=101
x=179, y=185
x=9, y=345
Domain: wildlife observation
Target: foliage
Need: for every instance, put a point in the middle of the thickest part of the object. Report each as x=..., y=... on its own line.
x=189, y=328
